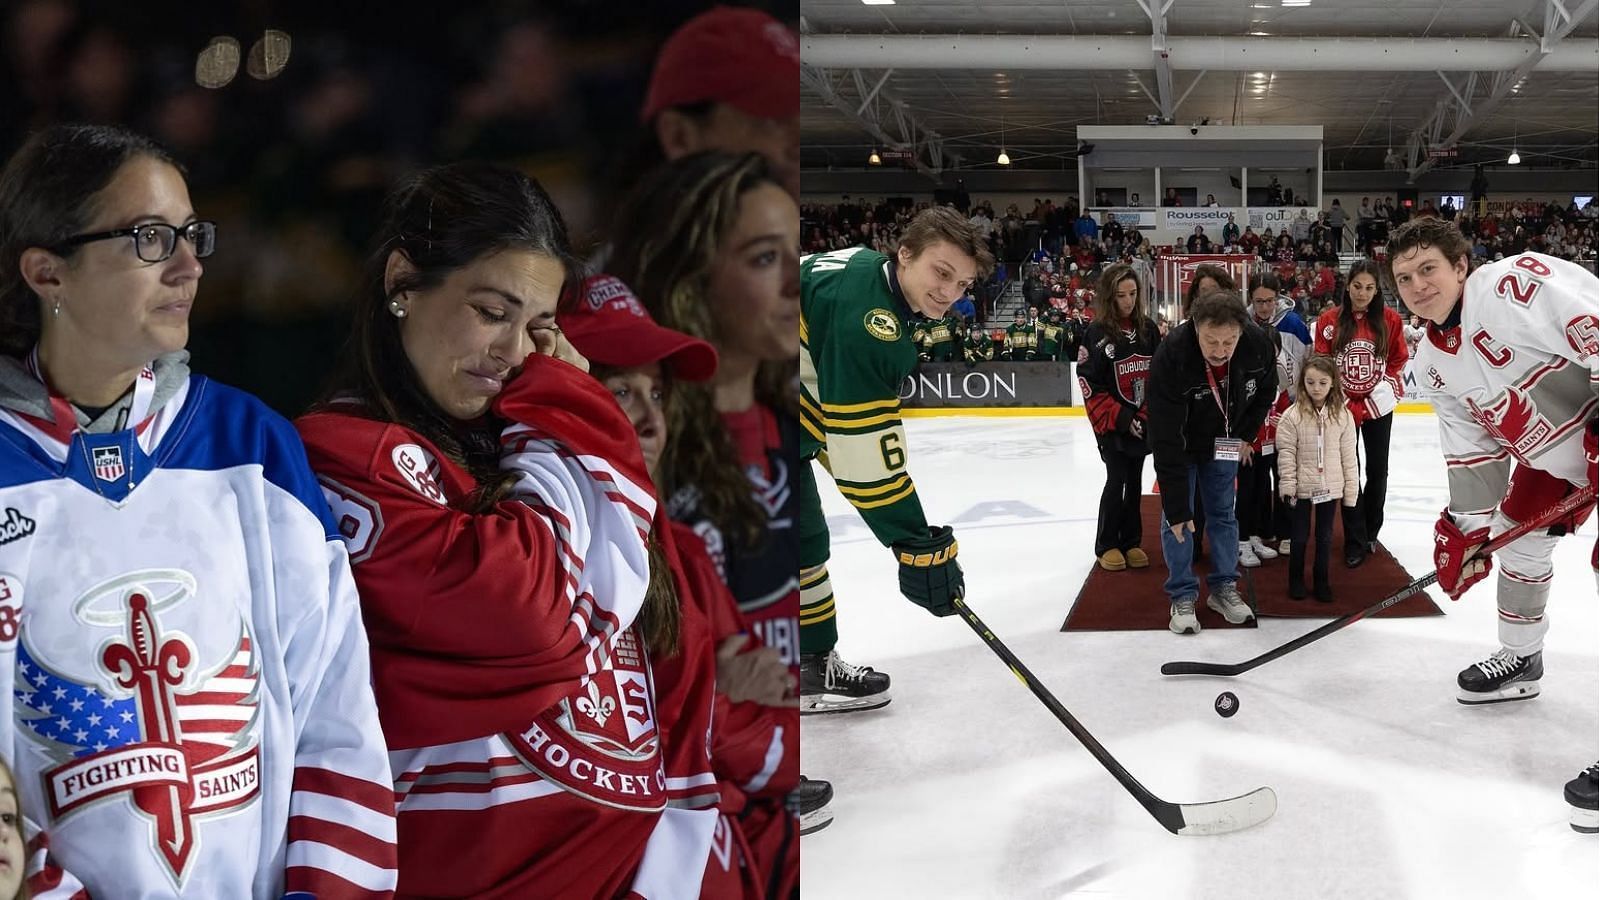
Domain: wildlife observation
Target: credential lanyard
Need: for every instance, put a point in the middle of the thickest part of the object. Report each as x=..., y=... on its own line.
x=1227, y=427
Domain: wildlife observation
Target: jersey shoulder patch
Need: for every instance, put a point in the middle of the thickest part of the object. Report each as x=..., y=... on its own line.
x=882, y=324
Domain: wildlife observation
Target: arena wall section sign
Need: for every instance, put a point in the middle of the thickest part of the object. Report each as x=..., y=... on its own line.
x=989, y=384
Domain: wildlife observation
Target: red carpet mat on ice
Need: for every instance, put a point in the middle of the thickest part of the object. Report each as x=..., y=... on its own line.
x=1132, y=600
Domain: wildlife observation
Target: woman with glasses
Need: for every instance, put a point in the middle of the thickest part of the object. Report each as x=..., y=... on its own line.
x=184, y=683
x=498, y=514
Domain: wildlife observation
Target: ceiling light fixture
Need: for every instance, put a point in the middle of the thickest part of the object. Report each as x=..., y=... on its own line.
x=1003, y=159
x=877, y=2
x=874, y=159
x=1514, y=158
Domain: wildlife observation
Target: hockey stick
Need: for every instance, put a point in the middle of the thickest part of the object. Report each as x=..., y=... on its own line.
x=1216, y=817
x=1570, y=504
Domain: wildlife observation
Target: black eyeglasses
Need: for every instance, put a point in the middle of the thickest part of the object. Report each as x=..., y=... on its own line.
x=156, y=241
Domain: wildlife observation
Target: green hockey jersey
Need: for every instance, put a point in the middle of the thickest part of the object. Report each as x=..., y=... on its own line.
x=1022, y=341
x=1049, y=340
x=855, y=350
x=942, y=339
x=979, y=347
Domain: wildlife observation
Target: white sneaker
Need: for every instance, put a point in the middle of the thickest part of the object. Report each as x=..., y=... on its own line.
x=1261, y=548
x=1283, y=547
x=1183, y=618
x=1247, y=556
x=1225, y=600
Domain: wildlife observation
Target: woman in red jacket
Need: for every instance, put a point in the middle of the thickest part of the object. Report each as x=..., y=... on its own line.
x=498, y=514
x=1367, y=340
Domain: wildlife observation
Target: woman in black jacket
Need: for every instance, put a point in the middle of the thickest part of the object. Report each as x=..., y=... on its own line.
x=1113, y=364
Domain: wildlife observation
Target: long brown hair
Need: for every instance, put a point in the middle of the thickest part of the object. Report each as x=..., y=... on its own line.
x=1335, y=402
x=676, y=222
x=1105, y=299
x=1373, y=315
x=441, y=219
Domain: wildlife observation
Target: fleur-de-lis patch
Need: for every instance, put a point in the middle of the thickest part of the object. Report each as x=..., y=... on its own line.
x=595, y=706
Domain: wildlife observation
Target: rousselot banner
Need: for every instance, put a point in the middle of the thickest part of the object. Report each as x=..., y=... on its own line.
x=1012, y=384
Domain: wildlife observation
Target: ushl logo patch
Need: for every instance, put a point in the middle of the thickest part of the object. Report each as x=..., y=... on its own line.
x=154, y=722
x=108, y=463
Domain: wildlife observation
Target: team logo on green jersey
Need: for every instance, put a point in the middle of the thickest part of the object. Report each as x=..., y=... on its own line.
x=883, y=325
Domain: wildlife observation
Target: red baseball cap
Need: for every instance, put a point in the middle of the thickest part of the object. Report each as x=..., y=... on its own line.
x=741, y=57
x=609, y=325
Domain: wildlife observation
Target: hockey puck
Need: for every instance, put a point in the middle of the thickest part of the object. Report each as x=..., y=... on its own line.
x=1227, y=704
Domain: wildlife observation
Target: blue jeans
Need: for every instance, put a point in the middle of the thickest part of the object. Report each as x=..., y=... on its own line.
x=1217, y=491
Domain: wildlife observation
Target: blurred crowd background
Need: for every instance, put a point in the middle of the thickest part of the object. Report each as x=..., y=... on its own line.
x=293, y=167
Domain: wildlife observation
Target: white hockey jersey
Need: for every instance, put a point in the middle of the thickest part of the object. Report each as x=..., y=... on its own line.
x=1515, y=379
x=183, y=671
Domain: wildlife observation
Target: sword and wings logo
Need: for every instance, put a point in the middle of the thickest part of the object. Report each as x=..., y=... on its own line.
x=151, y=721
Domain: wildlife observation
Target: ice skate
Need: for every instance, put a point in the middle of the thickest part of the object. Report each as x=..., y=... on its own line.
x=811, y=801
x=1502, y=677
x=1580, y=795
x=828, y=684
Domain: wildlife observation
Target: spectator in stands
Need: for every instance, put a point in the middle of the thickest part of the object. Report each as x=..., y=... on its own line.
x=1321, y=282
x=1283, y=250
x=1230, y=231
x=1211, y=201
x=983, y=221
x=1113, y=366
x=1336, y=221
x=1111, y=229
x=1364, y=219
x=1249, y=242
x=1274, y=192
x=1301, y=226
x=1198, y=242
x=1134, y=199
x=1367, y=340
x=1086, y=229
x=1171, y=199
x=965, y=308
x=1211, y=384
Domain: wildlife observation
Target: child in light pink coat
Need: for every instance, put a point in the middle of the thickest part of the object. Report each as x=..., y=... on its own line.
x=1316, y=467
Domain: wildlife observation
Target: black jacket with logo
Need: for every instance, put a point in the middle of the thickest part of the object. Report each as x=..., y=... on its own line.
x=1184, y=419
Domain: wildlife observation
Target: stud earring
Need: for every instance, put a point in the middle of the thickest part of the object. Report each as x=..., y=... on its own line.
x=395, y=309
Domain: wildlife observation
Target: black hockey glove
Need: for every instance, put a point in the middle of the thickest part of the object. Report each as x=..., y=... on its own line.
x=929, y=574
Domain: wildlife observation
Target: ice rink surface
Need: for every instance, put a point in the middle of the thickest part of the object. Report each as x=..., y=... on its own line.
x=965, y=786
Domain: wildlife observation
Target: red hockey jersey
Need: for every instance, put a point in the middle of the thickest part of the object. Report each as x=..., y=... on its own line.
x=530, y=754
x=1370, y=375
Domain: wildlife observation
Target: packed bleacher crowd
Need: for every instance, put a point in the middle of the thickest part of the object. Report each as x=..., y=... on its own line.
x=1058, y=251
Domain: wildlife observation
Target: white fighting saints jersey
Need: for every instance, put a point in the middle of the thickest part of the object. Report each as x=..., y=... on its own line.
x=1516, y=380
x=184, y=688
